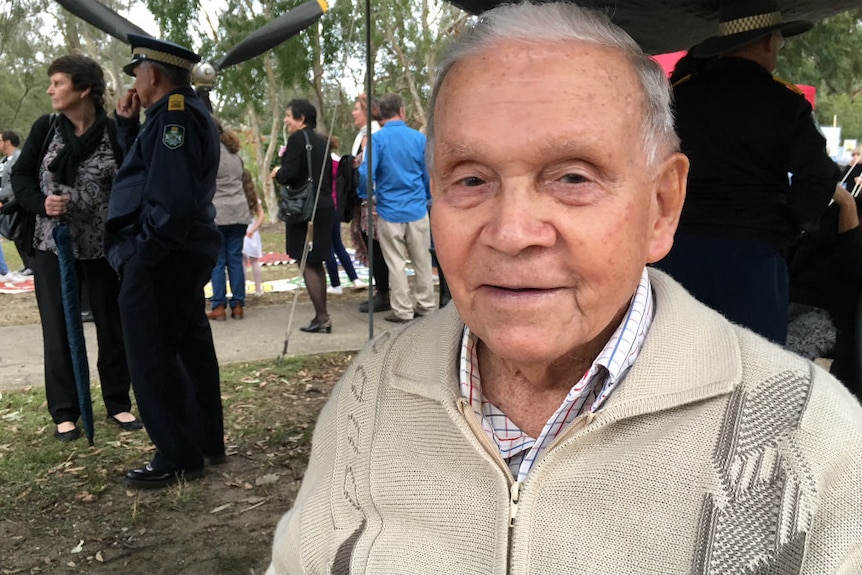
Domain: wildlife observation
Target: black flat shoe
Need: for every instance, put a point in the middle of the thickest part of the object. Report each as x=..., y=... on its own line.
x=133, y=425
x=317, y=327
x=70, y=435
x=148, y=478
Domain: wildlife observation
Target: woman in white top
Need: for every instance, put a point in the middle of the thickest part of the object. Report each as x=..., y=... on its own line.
x=359, y=224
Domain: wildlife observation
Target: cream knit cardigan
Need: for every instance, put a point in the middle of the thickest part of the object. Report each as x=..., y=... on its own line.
x=719, y=453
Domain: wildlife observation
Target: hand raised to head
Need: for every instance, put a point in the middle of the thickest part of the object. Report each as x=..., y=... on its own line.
x=129, y=105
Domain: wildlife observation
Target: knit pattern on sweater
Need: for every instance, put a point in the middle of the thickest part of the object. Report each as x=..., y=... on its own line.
x=761, y=518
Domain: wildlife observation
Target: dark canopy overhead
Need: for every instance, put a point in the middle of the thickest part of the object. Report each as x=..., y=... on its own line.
x=668, y=25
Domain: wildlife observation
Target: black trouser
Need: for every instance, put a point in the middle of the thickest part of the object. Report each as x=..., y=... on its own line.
x=172, y=358
x=745, y=280
x=25, y=250
x=381, y=270
x=104, y=288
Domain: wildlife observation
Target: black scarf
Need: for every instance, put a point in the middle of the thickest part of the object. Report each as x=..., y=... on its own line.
x=76, y=149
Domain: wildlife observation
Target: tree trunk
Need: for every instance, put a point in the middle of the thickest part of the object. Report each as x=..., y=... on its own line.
x=269, y=190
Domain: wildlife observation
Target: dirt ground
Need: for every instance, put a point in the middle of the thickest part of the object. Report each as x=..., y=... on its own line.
x=57, y=522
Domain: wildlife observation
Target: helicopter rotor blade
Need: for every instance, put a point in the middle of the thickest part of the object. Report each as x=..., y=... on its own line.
x=274, y=32
x=103, y=18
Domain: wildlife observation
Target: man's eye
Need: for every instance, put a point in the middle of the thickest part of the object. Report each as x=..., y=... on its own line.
x=471, y=181
x=573, y=179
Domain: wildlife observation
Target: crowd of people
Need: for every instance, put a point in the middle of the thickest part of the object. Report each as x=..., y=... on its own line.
x=614, y=349
x=147, y=240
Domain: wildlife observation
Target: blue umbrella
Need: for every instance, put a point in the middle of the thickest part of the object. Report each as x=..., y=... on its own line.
x=74, y=325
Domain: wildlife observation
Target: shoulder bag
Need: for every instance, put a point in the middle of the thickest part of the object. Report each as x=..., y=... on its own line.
x=16, y=222
x=296, y=205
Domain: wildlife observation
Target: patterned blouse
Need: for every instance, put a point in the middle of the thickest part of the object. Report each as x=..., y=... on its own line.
x=88, y=208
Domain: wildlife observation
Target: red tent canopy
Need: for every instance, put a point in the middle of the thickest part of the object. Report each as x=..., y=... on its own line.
x=669, y=60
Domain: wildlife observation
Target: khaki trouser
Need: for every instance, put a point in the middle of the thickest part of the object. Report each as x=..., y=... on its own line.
x=399, y=243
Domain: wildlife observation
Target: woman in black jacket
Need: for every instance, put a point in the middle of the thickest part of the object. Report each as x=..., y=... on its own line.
x=301, y=120
x=65, y=172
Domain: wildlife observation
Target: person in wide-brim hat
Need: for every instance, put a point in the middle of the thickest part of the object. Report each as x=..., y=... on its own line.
x=742, y=22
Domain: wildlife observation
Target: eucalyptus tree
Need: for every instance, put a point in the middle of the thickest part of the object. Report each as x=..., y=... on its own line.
x=25, y=49
x=406, y=40
x=413, y=33
x=32, y=34
x=251, y=96
x=829, y=57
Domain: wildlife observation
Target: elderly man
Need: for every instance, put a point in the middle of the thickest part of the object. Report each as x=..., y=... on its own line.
x=573, y=412
x=161, y=238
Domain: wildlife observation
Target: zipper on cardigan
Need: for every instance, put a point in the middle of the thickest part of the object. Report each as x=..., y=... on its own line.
x=480, y=434
x=514, y=498
x=514, y=487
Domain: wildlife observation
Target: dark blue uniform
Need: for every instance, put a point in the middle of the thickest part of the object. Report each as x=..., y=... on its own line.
x=744, y=132
x=162, y=239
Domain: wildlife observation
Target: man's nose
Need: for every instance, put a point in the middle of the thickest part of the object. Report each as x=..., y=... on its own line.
x=520, y=219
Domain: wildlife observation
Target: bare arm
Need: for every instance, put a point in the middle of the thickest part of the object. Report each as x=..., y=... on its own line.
x=258, y=221
x=848, y=217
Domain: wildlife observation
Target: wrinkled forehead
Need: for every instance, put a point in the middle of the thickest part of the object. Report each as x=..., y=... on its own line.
x=542, y=72
x=580, y=86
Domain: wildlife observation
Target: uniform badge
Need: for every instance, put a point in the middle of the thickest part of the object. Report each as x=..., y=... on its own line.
x=173, y=136
x=176, y=103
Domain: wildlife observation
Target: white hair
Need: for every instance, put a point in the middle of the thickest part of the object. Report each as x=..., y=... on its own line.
x=560, y=22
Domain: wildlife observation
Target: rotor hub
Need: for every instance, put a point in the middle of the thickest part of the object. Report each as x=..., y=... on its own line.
x=204, y=75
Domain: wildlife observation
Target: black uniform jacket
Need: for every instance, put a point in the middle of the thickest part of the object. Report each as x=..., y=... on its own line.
x=162, y=196
x=745, y=133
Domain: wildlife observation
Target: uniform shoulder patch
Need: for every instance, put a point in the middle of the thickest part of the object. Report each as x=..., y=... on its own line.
x=789, y=85
x=176, y=103
x=173, y=136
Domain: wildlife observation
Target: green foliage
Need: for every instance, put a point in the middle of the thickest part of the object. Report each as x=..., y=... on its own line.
x=175, y=18
x=407, y=37
x=247, y=84
x=25, y=51
x=829, y=57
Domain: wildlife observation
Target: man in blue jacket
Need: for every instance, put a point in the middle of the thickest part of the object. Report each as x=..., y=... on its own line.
x=161, y=238
x=401, y=195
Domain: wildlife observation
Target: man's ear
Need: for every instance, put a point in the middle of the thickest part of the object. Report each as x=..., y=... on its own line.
x=668, y=197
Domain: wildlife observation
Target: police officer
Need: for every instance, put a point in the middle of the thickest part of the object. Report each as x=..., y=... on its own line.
x=161, y=238
x=744, y=132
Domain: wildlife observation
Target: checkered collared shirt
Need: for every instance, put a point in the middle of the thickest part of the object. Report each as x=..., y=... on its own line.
x=588, y=394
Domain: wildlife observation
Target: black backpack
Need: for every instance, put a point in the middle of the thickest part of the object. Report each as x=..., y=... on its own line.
x=346, y=183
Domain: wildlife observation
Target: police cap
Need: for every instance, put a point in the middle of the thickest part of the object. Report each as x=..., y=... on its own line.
x=146, y=48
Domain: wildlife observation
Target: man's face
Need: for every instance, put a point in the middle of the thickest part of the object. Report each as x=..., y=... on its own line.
x=3, y=147
x=143, y=84
x=542, y=220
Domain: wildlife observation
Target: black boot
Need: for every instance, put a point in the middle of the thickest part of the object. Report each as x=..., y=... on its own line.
x=381, y=303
